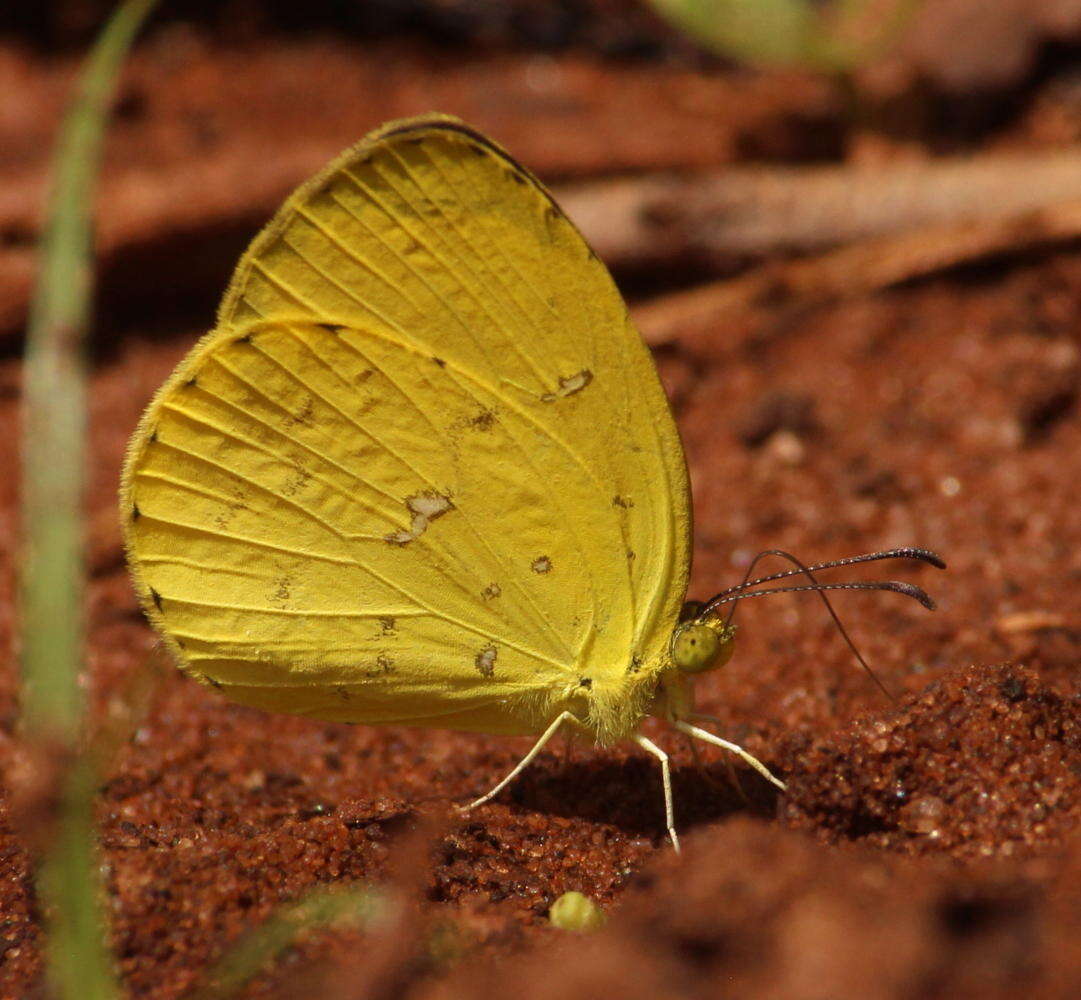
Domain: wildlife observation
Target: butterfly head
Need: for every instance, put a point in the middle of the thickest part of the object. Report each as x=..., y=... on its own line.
x=704, y=639
x=701, y=642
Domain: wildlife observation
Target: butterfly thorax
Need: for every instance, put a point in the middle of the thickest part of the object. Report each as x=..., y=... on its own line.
x=674, y=698
x=658, y=683
x=610, y=713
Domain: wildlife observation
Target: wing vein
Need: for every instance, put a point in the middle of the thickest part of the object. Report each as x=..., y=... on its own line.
x=476, y=532
x=447, y=555
x=542, y=377
x=420, y=278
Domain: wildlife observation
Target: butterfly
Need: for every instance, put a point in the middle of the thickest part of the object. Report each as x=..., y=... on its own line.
x=422, y=471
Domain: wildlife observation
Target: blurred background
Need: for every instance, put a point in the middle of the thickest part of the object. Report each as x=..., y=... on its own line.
x=851, y=233
x=575, y=88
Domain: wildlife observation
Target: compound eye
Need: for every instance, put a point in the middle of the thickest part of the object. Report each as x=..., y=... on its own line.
x=697, y=647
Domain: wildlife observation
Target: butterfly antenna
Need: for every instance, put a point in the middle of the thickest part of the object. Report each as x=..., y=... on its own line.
x=740, y=592
x=907, y=552
x=893, y=586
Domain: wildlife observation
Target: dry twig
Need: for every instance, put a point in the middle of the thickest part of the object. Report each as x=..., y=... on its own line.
x=852, y=270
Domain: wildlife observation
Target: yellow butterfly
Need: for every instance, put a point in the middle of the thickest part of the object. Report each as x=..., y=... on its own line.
x=422, y=472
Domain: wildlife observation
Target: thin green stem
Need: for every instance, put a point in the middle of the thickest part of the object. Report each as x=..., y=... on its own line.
x=55, y=400
x=833, y=38
x=320, y=909
x=54, y=460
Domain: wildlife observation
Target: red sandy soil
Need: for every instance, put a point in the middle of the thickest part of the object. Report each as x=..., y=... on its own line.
x=927, y=848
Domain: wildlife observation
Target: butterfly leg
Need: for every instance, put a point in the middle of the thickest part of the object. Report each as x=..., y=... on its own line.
x=524, y=762
x=707, y=737
x=733, y=774
x=666, y=780
x=733, y=777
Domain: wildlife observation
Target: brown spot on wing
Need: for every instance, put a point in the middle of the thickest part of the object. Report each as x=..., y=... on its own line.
x=425, y=508
x=484, y=420
x=569, y=385
x=485, y=660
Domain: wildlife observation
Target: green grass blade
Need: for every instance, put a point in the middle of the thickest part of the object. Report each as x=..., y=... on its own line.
x=79, y=966
x=53, y=474
x=55, y=395
x=833, y=37
x=320, y=909
x=756, y=31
